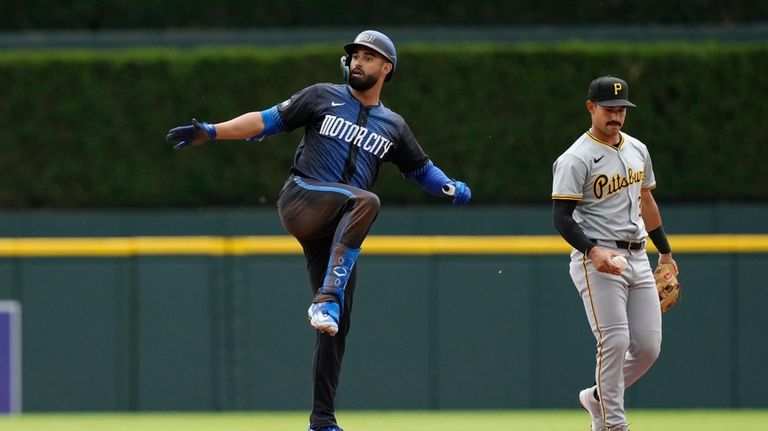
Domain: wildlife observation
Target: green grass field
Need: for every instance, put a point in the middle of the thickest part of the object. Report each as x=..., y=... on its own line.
x=508, y=420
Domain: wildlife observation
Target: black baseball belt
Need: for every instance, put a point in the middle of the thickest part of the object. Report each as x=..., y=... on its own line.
x=623, y=245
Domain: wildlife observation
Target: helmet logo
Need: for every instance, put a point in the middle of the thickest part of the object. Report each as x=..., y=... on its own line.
x=366, y=38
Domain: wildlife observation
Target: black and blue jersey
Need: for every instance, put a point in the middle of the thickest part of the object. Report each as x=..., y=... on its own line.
x=344, y=141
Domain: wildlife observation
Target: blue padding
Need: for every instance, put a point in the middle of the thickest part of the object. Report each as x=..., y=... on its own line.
x=430, y=178
x=273, y=124
x=339, y=269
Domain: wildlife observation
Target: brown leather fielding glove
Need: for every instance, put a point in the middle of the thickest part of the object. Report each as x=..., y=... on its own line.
x=667, y=285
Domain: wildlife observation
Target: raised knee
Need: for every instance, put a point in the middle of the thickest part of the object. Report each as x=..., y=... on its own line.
x=369, y=201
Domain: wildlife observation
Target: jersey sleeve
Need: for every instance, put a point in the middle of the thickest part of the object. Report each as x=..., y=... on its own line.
x=300, y=109
x=408, y=155
x=568, y=176
x=649, y=182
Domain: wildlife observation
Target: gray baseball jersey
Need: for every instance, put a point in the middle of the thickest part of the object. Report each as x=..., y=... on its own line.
x=607, y=181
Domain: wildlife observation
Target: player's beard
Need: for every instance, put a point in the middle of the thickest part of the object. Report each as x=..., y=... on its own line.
x=362, y=83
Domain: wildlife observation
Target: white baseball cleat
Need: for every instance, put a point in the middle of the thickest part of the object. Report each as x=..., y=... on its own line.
x=592, y=406
x=324, y=316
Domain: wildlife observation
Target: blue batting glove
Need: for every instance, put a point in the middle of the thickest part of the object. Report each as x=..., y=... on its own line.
x=196, y=133
x=460, y=192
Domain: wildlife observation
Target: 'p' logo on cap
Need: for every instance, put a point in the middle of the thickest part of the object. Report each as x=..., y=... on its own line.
x=609, y=91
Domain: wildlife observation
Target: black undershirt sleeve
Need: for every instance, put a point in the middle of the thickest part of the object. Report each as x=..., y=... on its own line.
x=659, y=238
x=562, y=211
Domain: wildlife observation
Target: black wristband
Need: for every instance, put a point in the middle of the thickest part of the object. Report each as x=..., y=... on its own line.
x=659, y=239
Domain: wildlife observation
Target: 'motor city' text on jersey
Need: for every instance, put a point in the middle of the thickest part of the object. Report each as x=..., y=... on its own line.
x=338, y=127
x=607, y=182
x=335, y=122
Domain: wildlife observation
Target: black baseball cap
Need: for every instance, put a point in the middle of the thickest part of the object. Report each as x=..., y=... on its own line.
x=609, y=91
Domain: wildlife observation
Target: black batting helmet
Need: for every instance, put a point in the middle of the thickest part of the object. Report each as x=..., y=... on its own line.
x=380, y=43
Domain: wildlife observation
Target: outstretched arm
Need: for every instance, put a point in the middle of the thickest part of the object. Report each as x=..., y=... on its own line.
x=253, y=125
x=242, y=127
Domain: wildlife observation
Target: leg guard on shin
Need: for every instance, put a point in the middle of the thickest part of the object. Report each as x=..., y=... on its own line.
x=339, y=269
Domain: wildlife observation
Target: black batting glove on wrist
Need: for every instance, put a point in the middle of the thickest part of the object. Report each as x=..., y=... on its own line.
x=194, y=134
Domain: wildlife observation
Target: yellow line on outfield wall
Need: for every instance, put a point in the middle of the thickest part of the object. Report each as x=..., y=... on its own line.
x=389, y=245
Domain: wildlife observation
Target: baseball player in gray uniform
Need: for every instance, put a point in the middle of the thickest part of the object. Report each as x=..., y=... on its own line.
x=603, y=207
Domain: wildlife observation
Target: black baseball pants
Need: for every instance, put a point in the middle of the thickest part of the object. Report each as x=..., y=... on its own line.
x=326, y=218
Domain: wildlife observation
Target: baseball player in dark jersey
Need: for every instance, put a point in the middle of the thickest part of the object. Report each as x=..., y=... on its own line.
x=326, y=203
x=604, y=208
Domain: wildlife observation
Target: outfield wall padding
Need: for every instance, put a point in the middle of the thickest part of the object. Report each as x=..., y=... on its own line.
x=209, y=331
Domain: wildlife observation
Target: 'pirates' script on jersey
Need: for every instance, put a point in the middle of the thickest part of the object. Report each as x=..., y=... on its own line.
x=605, y=186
